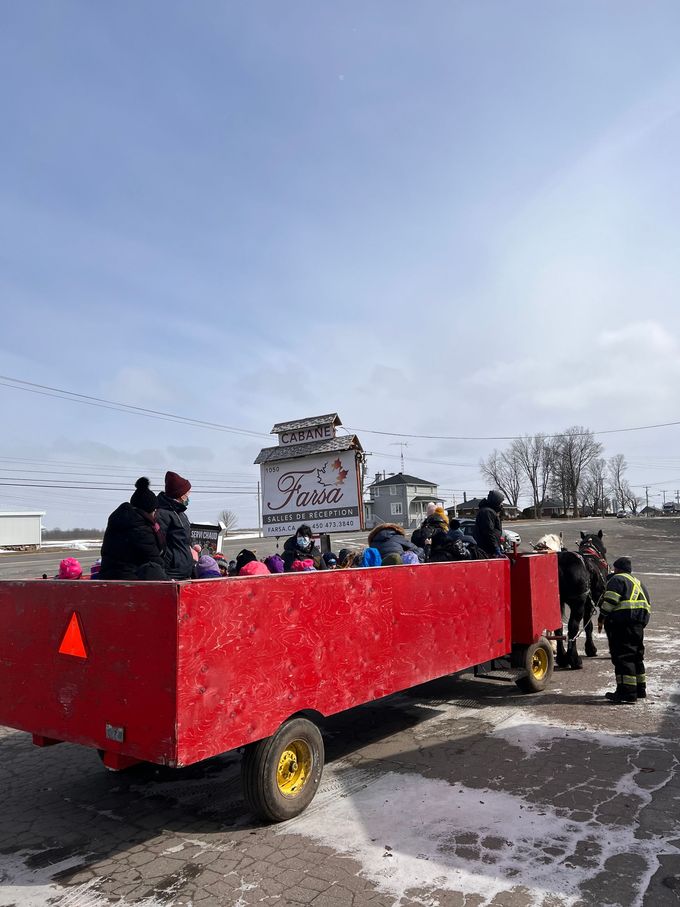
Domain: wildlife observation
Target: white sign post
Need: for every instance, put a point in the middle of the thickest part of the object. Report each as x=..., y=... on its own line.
x=322, y=490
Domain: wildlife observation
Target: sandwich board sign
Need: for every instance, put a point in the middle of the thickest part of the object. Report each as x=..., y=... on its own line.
x=311, y=477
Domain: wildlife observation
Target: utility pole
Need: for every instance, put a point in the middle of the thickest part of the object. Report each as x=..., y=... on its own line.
x=259, y=511
x=401, y=445
x=664, y=498
x=647, y=494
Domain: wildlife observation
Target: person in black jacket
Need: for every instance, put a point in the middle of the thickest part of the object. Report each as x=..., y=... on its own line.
x=624, y=611
x=434, y=522
x=301, y=547
x=171, y=516
x=390, y=538
x=133, y=542
x=488, y=529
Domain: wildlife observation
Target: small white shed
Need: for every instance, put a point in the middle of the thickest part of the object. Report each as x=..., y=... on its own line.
x=19, y=529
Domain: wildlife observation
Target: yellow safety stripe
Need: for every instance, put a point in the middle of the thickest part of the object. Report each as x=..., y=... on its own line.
x=637, y=600
x=629, y=680
x=641, y=678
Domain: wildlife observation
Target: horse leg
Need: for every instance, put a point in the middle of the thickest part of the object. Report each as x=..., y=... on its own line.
x=575, y=616
x=588, y=614
x=560, y=654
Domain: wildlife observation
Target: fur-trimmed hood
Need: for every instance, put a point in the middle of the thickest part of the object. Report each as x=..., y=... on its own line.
x=374, y=532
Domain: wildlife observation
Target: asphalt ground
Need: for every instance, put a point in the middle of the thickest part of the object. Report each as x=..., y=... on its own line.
x=459, y=792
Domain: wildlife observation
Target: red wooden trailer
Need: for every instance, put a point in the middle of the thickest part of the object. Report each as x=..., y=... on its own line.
x=172, y=673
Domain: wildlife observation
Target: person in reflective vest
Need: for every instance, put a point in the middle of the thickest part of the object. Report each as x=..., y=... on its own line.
x=624, y=612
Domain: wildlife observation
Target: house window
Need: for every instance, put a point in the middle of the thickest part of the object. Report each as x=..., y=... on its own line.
x=375, y=492
x=393, y=489
x=396, y=509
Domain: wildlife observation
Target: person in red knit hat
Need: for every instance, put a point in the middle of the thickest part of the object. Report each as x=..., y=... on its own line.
x=172, y=518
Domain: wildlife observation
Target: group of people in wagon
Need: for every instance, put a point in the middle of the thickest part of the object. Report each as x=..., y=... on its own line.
x=149, y=538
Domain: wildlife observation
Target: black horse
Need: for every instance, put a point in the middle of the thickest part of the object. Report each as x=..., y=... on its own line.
x=582, y=580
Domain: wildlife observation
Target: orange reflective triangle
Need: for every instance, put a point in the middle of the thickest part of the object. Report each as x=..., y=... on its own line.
x=73, y=642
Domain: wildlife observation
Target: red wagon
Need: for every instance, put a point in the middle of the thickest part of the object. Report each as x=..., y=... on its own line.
x=173, y=673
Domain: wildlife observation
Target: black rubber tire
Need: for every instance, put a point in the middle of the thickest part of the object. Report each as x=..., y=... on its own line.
x=260, y=764
x=533, y=681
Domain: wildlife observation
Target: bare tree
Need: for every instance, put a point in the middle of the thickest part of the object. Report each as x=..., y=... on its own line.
x=229, y=518
x=502, y=469
x=536, y=458
x=629, y=499
x=596, y=477
x=577, y=450
x=616, y=469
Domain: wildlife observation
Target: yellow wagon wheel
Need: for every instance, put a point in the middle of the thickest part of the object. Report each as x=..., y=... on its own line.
x=282, y=773
x=537, y=664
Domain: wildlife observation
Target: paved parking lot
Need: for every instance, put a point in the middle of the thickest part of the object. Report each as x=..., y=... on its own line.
x=460, y=792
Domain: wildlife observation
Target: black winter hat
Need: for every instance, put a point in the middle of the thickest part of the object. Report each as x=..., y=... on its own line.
x=623, y=564
x=495, y=499
x=245, y=556
x=144, y=499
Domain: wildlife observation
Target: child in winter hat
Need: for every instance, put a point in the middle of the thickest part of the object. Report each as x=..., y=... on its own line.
x=274, y=563
x=70, y=568
x=303, y=566
x=254, y=568
x=207, y=568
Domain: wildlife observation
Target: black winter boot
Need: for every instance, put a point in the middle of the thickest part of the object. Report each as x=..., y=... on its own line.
x=621, y=697
x=642, y=691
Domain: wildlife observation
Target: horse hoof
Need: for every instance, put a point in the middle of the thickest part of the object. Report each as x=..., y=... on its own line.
x=591, y=652
x=577, y=665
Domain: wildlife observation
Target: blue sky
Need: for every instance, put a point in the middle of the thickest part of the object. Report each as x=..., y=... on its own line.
x=437, y=218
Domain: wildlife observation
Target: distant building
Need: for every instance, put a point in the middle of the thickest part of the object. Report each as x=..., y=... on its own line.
x=401, y=499
x=21, y=530
x=468, y=509
x=651, y=511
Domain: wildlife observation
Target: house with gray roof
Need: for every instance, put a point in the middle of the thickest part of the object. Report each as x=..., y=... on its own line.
x=400, y=499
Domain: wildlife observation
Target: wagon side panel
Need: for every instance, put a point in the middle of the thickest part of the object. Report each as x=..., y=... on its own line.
x=253, y=651
x=120, y=674
x=535, y=597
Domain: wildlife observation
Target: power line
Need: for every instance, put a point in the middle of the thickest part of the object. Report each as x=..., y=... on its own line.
x=100, y=402
x=602, y=431
x=120, y=488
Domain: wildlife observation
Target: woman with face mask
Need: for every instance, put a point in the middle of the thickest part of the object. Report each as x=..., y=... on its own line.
x=301, y=547
x=172, y=504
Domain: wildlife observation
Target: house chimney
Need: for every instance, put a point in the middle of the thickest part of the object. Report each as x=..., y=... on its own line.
x=465, y=497
x=377, y=477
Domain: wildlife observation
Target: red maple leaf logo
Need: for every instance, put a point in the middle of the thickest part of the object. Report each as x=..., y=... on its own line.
x=337, y=464
x=342, y=475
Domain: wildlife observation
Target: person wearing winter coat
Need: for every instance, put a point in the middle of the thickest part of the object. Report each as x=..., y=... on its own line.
x=488, y=529
x=390, y=538
x=172, y=518
x=133, y=540
x=300, y=547
x=434, y=522
x=207, y=568
x=444, y=549
x=625, y=609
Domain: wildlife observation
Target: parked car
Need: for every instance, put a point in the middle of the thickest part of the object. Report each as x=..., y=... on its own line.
x=621, y=514
x=510, y=537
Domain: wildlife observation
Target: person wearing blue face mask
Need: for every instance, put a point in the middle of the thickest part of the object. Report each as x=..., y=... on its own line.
x=301, y=547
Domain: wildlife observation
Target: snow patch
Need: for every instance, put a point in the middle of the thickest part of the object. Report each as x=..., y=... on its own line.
x=414, y=836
